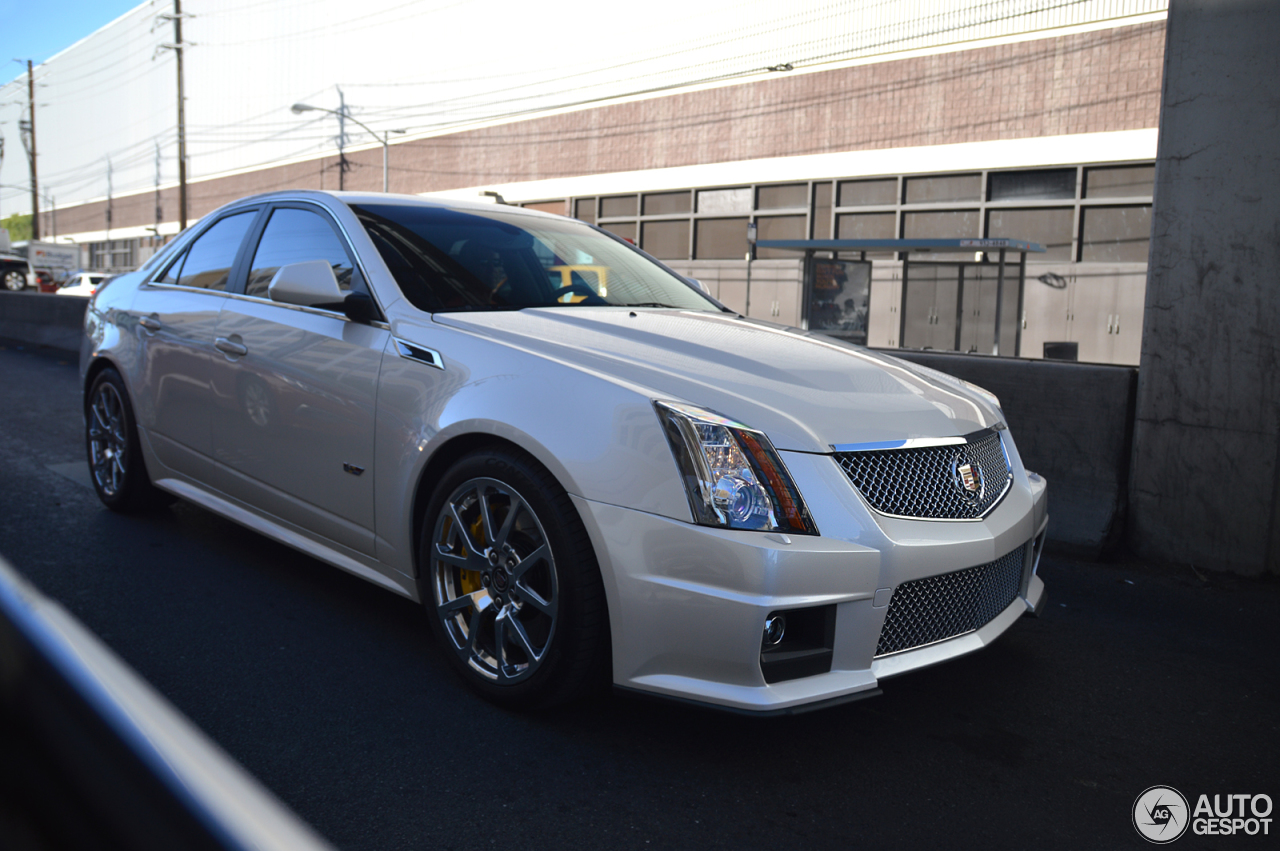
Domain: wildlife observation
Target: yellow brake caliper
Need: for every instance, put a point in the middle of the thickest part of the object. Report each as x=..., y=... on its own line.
x=469, y=580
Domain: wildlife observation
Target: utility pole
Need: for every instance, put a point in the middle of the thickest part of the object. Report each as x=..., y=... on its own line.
x=182, y=120
x=53, y=213
x=342, y=138
x=158, y=210
x=35, y=192
x=109, y=192
x=178, y=47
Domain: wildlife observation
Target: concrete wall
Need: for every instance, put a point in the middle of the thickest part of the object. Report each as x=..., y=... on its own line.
x=1072, y=423
x=43, y=319
x=1207, y=434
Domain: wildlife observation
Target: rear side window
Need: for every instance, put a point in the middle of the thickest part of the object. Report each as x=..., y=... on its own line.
x=206, y=265
x=295, y=236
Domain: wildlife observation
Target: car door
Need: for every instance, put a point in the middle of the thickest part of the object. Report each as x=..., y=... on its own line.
x=296, y=386
x=177, y=316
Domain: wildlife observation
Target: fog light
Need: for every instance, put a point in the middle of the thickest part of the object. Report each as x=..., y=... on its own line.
x=775, y=626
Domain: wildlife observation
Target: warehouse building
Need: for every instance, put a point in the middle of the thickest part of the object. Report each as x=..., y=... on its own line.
x=905, y=120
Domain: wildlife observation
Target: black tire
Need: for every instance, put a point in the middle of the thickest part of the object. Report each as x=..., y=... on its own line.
x=116, y=466
x=531, y=590
x=14, y=280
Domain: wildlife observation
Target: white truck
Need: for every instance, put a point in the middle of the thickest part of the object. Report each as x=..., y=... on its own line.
x=38, y=262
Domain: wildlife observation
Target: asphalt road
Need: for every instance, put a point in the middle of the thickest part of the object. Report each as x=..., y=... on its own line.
x=332, y=693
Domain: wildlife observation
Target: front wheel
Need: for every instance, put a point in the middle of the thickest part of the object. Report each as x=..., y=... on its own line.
x=511, y=583
x=14, y=280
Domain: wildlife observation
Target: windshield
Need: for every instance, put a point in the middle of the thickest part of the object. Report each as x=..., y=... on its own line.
x=447, y=260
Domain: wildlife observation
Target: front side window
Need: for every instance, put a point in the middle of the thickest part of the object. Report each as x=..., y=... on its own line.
x=447, y=260
x=295, y=236
x=207, y=263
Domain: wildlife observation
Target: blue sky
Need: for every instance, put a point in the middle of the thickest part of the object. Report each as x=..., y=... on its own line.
x=37, y=29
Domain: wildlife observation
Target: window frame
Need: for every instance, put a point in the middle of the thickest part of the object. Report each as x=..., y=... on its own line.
x=359, y=279
x=155, y=279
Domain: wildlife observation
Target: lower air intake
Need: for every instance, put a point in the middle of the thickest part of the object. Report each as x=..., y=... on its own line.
x=925, y=611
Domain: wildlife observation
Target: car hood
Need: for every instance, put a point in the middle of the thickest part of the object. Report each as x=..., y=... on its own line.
x=807, y=392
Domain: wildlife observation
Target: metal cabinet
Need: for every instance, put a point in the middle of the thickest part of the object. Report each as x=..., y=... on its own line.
x=884, y=318
x=978, y=310
x=930, y=317
x=1097, y=306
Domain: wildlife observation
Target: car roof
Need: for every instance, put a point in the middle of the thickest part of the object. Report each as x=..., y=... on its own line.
x=382, y=198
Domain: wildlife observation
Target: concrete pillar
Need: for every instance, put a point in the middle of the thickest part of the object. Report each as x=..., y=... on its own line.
x=1204, y=486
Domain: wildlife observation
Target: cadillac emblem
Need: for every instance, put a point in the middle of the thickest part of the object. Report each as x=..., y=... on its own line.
x=967, y=476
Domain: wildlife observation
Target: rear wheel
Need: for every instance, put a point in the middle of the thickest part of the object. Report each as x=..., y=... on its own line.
x=14, y=280
x=511, y=582
x=115, y=453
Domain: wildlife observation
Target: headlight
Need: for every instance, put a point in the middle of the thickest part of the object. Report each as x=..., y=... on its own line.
x=732, y=474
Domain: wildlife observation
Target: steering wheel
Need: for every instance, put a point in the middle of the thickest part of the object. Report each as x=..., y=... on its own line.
x=592, y=297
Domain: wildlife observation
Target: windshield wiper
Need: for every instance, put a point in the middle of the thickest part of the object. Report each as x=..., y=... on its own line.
x=647, y=304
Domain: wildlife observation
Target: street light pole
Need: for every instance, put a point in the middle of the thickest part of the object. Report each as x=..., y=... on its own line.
x=299, y=108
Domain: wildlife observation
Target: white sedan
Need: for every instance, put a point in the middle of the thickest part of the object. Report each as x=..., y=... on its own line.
x=83, y=284
x=583, y=482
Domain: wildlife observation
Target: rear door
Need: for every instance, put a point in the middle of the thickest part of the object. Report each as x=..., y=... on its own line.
x=296, y=387
x=177, y=317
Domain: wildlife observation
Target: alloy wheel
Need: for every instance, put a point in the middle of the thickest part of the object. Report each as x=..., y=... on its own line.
x=108, y=441
x=494, y=580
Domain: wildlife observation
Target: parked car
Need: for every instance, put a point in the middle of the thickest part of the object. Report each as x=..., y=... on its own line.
x=83, y=284
x=14, y=271
x=638, y=485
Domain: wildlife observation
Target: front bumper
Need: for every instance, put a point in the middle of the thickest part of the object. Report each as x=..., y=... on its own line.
x=688, y=603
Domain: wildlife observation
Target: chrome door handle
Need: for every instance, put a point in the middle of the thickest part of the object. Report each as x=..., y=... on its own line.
x=150, y=323
x=227, y=347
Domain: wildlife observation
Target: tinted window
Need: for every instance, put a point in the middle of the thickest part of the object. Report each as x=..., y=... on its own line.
x=944, y=188
x=1116, y=234
x=207, y=263
x=721, y=239
x=294, y=236
x=1125, y=182
x=626, y=230
x=822, y=211
x=780, y=227
x=585, y=209
x=618, y=205
x=1050, y=227
x=667, y=203
x=781, y=197
x=952, y=224
x=865, y=193
x=666, y=240
x=1016, y=185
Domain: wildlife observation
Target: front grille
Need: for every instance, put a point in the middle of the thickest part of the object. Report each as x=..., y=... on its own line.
x=925, y=482
x=936, y=608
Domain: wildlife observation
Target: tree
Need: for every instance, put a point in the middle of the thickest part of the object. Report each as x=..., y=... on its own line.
x=19, y=226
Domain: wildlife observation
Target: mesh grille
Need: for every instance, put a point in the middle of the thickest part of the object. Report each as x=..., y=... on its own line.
x=940, y=607
x=924, y=482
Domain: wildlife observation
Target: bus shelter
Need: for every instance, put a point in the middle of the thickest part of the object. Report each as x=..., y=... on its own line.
x=956, y=294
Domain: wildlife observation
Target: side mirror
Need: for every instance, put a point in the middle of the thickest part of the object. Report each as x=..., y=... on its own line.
x=359, y=308
x=309, y=284
x=698, y=285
